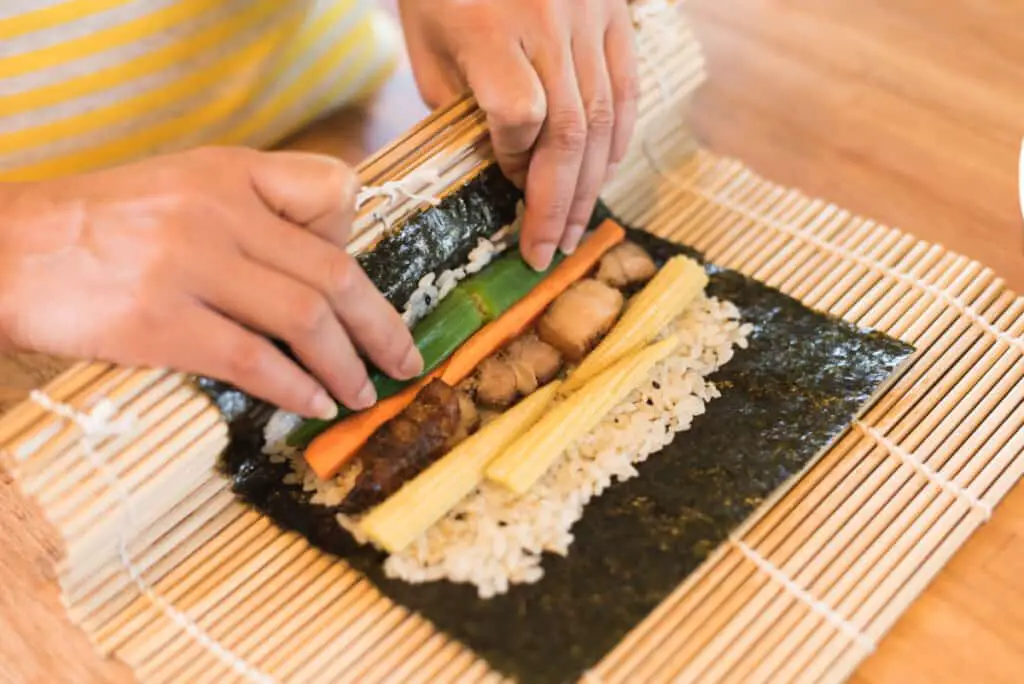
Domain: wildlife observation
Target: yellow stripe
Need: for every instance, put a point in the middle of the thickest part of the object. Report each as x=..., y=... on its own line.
x=385, y=69
x=361, y=36
x=372, y=84
x=106, y=39
x=130, y=146
x=315, y=30
x=221, y=74
x=165, y=58
x=61, y=13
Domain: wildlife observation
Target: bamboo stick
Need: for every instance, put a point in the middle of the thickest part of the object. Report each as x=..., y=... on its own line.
x=861, y=529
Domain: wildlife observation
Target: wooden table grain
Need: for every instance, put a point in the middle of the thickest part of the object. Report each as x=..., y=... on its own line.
x=910, y=112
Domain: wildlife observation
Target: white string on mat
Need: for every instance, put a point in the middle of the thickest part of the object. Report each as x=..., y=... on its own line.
x=929, y=473
x=394, y=190
x=968, y=311
x=817, y=606
x=97, y=425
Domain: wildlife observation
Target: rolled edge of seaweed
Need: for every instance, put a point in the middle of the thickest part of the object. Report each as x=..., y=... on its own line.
x=485, y=205
x=505, y=306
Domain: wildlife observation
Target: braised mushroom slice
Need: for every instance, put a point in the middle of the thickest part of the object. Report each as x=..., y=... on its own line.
x=405, y=445
x=626, y=264
x=538, y=358
x=579, y=317
x=496, y=384
x=469, y=419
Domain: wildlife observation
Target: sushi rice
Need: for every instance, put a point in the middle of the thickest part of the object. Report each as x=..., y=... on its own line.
x=494, y=539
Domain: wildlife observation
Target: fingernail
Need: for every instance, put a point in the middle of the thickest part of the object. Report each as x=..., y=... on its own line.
x=412, y=364
x=571, y=239
x=324, y=407
x=543, y=253
x=367, y=396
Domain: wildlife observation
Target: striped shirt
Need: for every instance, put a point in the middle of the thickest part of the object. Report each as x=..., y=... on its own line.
x=86, y=84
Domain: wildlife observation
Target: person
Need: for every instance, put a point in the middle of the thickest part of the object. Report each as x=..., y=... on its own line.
x=142, y=224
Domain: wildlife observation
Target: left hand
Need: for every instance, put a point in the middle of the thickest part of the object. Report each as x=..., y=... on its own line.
x=557, y=80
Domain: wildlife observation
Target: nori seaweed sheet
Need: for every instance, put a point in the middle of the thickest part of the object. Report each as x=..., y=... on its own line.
x=441, y=237
x=430, y=241
x=796, y=388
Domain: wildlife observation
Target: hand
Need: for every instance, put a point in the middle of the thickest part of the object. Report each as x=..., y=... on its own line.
x=557, y=80
x=179, y=261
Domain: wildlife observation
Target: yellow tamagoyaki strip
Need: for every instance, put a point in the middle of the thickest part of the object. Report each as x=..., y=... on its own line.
x=425, y=499
x=526, y=459
x=660, y=302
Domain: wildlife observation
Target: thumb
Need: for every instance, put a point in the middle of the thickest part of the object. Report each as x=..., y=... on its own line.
x=311, y=190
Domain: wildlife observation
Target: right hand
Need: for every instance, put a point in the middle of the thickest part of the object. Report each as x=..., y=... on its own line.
x=179, y=261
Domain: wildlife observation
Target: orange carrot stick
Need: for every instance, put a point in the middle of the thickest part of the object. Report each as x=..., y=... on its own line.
x=523, y=313
x=337, y=445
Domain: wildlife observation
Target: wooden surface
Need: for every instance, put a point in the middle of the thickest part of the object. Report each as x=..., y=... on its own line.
x=907, y=111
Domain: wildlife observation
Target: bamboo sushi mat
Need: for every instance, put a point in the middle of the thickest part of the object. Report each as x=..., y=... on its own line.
x=207, y=590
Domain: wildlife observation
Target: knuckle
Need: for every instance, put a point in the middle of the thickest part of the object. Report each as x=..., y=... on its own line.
x=626, y=87
x=342, y=274
x=600, y=114
x=550, y=16
x=310, y=313
x=522, y=113
x=554, y=212
x=569, y=132
x=248, y=359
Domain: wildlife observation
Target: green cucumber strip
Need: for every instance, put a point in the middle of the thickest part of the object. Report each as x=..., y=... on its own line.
x=307, y=431
x=477, y=300
x=497, y=288
x=437, y=336
x=447, y=327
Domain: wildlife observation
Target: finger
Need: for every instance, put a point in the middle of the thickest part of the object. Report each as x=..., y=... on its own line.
x=311, y=190
x=625, y=80
x=507, y=89
x=370, y=320
x=437, y=78
x=229, y=353
x=271, y=303
x=596, y=91
x=556, y=161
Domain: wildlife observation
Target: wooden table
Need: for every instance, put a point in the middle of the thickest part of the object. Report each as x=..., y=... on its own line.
x=910, y=112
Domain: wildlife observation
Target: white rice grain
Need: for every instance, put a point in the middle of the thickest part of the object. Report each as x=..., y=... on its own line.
x=493, y=539
x=432, y=289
